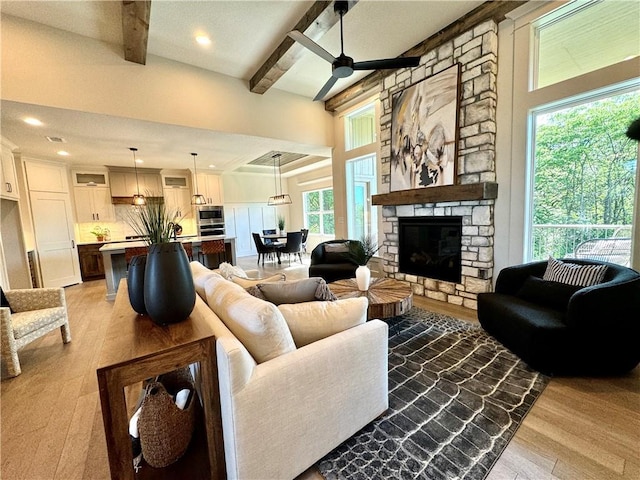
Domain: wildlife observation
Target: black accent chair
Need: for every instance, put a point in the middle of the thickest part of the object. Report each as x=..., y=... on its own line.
x=331, y=266
x=293, y=246
x=566, y=330
x=263, y=250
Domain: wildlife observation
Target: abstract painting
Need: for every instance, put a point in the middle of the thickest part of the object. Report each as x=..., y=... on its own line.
x=424, y=127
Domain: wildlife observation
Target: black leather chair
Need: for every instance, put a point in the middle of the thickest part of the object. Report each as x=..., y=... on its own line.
x=331, y=266
x=293, y=246
x=263, y=250
x=305, y=235
x=566, y=330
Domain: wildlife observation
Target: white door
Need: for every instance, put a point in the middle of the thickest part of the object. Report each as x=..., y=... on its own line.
x=244, y=240
x=53, y=222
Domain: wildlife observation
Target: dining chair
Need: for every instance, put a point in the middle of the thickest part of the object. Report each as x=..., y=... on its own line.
x=269, y=241
x=262, y=249
x=293, y=246
x=305, y=234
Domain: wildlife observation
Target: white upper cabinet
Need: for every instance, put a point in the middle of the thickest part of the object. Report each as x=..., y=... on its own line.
x=179, y=200
x=90, y=178
x=8, y=175
x=46, y=177
x=123, y=184
x=93, y=205
x=175, y=181
x=211, y=187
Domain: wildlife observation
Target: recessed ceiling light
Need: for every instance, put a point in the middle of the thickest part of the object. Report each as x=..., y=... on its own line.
x=629, y=57
x=63, y=153
x=33, y=121
x=212, y=166
x=203, y=40
x=139, y=160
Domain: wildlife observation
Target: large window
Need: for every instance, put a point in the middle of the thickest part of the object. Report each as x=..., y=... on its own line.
x=318, y=212
x=581, y=37
x=360, y=128
x=584, y=179
x=361, y=184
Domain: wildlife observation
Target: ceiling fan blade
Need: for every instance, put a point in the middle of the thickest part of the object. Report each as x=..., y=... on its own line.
x=400, y=62
x=325, y=89
x=311, y=45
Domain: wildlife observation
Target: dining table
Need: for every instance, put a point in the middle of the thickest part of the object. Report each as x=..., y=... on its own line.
x=275, y=237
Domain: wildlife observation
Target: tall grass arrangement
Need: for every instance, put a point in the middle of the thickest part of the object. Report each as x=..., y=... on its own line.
x=362, y=251
x=153, y=221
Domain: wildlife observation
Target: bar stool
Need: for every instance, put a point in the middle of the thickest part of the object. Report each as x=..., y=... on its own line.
x=188, y=248
x=130, y=252
x=213, y=247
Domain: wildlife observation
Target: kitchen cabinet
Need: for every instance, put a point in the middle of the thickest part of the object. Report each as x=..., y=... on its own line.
x=45, y=176
x=179, y=199
x=123, y=184
x=91, y=263
x=93, y=204
x=211, y=187
x=175, y=181
x=90, y=178
x=8, y=175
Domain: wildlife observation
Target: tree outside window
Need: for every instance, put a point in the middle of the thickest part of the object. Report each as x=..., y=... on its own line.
x=318, y=212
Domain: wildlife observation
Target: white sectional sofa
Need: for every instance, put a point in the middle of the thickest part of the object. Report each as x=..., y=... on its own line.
x=287, y=400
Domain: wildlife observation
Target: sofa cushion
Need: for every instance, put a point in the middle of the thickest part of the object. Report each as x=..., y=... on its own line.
x=295, y=291
x=252, y=282
x=312, y=321
x=201, y=275
x=227, y=271
x=574, y=274
x=554, y=295
x=336, y=252
x=259, y=325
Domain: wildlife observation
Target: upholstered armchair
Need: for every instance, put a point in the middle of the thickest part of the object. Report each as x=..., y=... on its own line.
x=33, y=313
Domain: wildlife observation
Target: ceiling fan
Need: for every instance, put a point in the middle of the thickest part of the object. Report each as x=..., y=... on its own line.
x=343, y=66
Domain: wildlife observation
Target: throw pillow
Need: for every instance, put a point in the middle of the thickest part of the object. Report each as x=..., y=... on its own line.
x=252, y=282
x=336, y=252
x=259, y=325
x=295, y=291
x=574, y=274
x=5, y=302
x=227, y=271
x=200, y=275
x=312, y=321
x=550, y=294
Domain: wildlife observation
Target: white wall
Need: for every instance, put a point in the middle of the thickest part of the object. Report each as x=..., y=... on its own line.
x=46, y=66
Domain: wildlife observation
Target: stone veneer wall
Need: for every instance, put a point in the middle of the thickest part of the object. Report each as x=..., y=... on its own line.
x=477, y=53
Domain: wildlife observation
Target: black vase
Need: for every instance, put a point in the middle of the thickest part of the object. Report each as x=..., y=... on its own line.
x=135, y=283
x=169, y=293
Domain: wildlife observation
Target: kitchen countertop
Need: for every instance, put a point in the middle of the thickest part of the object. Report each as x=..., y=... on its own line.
x=104, y=242
x=118, y=247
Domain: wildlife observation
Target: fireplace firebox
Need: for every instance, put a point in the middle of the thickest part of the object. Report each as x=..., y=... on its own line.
x=431, y=247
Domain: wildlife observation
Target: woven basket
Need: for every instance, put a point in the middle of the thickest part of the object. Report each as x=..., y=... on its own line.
x=165, y=430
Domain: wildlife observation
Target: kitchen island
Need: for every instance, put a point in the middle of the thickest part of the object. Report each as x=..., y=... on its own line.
x=115, y=266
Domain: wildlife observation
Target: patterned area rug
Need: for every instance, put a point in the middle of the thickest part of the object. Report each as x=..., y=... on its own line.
x=456, y=398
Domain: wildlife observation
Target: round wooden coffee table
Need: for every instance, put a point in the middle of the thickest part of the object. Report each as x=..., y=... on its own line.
x=387, y=297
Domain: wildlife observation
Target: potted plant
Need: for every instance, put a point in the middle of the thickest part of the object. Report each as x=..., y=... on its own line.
x=281, y=224
x=360, y=253
x=168, y=289
x=100, y=233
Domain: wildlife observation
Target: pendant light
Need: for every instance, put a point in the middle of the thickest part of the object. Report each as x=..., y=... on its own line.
x=137, y=198
x=282, y=198
x=196, y=199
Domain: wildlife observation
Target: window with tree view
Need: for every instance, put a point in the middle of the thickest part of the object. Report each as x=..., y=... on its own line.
x=318, y=212
x=584, y=179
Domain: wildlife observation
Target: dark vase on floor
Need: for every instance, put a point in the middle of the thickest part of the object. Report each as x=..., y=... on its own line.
x=135, y=283
x=169, y=293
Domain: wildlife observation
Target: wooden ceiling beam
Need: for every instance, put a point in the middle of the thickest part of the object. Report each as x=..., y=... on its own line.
x=135, y=29
x=314, y=24
x=493, y=9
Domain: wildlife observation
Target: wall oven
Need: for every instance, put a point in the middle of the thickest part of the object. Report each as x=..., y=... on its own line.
x=210, y=220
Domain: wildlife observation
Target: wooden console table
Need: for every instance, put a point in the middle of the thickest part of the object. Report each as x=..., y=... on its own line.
x=387, y=297
x=135, y=349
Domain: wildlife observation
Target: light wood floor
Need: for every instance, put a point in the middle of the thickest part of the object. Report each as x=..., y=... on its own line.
x=52, y=425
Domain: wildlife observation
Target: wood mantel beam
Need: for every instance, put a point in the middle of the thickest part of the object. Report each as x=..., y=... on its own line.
x=314, y=24
x=135, y=29
x=493, y=9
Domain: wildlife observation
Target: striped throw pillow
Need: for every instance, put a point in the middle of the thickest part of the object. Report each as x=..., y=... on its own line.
x=574, y=274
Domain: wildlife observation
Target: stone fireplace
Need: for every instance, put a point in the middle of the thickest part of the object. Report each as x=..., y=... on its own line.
x=471, y=200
